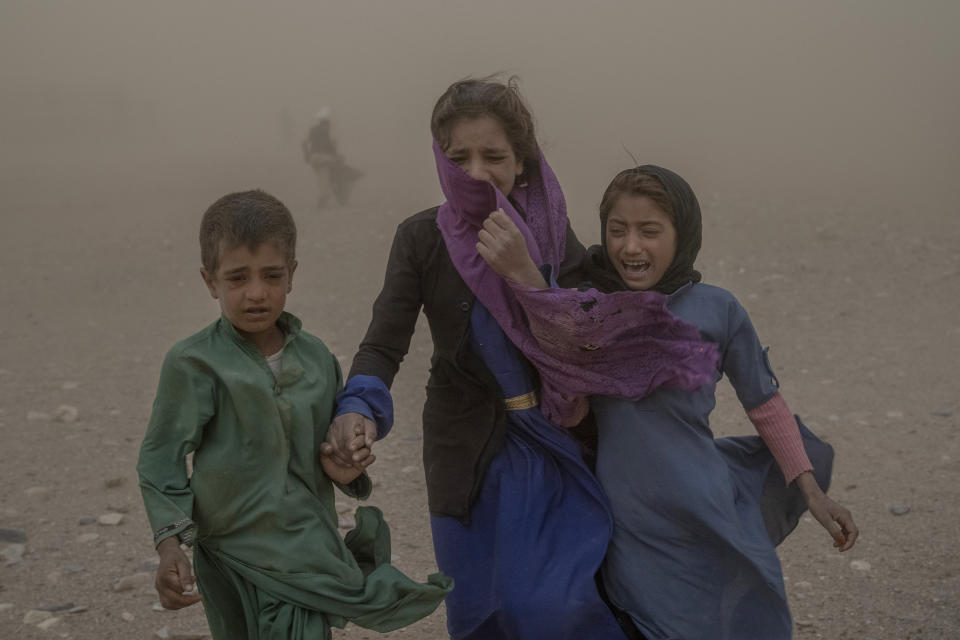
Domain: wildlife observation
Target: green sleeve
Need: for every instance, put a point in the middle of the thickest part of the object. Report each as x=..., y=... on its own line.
x=183, y=405
x=360, y=488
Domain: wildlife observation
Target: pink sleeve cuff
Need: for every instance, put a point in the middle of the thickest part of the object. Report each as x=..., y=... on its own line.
x=778, y=428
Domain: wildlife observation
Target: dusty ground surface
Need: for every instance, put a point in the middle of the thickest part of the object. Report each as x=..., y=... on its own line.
x=859, y=302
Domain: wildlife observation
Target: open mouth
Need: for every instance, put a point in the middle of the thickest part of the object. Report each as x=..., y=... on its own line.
x=635, y=268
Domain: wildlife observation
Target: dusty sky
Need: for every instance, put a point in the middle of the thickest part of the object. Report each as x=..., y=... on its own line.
x=852, y=101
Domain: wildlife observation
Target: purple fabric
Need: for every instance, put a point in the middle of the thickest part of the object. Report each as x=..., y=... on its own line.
x=582, y=343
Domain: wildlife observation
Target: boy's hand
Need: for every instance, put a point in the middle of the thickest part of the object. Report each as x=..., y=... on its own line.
x=836, y=519
x=343, y=443
x=502, y=245
x=345, y=473
x=175, y=577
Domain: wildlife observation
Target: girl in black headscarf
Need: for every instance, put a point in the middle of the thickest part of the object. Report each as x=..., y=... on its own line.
x=697, y=518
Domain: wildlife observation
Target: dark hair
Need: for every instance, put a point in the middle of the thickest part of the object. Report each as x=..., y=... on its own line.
x=472, y=98
x=635, y=182
x=248, y=218
x=674, y=196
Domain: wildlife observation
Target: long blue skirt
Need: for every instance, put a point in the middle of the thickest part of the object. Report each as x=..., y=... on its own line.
x=524, y=566
x=693, y=552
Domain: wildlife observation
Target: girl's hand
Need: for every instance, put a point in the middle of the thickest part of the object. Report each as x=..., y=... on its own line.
x=835, y=518
x=502, y=245
x=342, y=442
x=346, y=472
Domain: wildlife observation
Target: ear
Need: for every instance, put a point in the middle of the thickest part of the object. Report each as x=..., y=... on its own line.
x=519, y=166
x=211, y=282
x=291, y=269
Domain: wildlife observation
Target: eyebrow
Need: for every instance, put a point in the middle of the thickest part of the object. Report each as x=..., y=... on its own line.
x=642, y=223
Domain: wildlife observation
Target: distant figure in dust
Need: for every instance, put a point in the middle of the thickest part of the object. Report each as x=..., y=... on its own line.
x=334, y=177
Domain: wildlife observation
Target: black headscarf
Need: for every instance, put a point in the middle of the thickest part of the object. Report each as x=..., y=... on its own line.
x=602, y=275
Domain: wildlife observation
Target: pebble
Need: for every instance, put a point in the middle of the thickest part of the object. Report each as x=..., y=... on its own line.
x=806, y=624
x=53, y=577
x=126, y=615
x=150, y=564
x=804, y=584
x=110, y=519
x=55, y=608
x=33, y=616
x=134, y=581
x=158, y=607
x=66, y=413
x=12, y=535
x=6, y=606
x=408, y=469
x=833, y=418
x=13, y=553
x=85, y=520
x=860, y=565
x=899, y=509
x=36, y=491
x=894, y=414
x=38, y=416
x=49, y=622
x=88, y=537
x=80, y=608
x=113, y=483
x=166, y=634
x=69, y=384
x=943, y=413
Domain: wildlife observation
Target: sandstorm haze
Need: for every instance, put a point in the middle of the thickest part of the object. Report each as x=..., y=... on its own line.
x=839, y=101
x=822, y=139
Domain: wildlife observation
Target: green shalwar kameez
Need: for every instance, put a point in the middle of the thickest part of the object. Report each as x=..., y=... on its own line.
x=258, y=508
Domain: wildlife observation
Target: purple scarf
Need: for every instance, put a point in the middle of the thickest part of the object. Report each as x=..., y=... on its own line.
x=582, y=342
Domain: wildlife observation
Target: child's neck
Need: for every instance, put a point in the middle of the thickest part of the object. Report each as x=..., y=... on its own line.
x=267, y=342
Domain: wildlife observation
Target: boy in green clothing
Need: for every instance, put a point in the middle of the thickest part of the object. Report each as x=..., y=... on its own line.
x=251, y=396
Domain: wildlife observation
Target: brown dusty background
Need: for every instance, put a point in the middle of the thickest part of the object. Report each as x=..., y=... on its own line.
x=821, y=138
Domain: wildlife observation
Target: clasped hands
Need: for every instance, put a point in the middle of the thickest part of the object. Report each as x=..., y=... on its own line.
x=348, y=449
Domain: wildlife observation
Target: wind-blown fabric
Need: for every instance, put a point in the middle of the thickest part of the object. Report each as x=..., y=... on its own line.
x=628, y=344
x=525, y=562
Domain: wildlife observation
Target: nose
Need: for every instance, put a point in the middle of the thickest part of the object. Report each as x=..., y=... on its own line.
x=634, y=243
x=477, y=169
x=257, y=289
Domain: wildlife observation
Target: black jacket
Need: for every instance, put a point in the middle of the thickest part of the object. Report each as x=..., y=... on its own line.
x=463, y=417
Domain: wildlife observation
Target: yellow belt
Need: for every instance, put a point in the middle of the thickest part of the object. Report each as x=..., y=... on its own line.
x=519, y=403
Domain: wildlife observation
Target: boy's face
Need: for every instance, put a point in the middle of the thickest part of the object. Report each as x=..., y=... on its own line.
x=252, y=288
x=641, y=241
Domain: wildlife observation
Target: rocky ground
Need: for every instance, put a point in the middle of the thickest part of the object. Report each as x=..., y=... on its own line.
x=860, y=303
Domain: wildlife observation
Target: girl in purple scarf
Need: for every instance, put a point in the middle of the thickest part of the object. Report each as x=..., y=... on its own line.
x=519, y=521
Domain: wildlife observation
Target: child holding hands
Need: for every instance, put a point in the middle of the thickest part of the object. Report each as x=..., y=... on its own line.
x=251, y=396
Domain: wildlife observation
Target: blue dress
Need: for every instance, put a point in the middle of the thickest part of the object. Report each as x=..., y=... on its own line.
x=697, y=519
x=524, y=566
